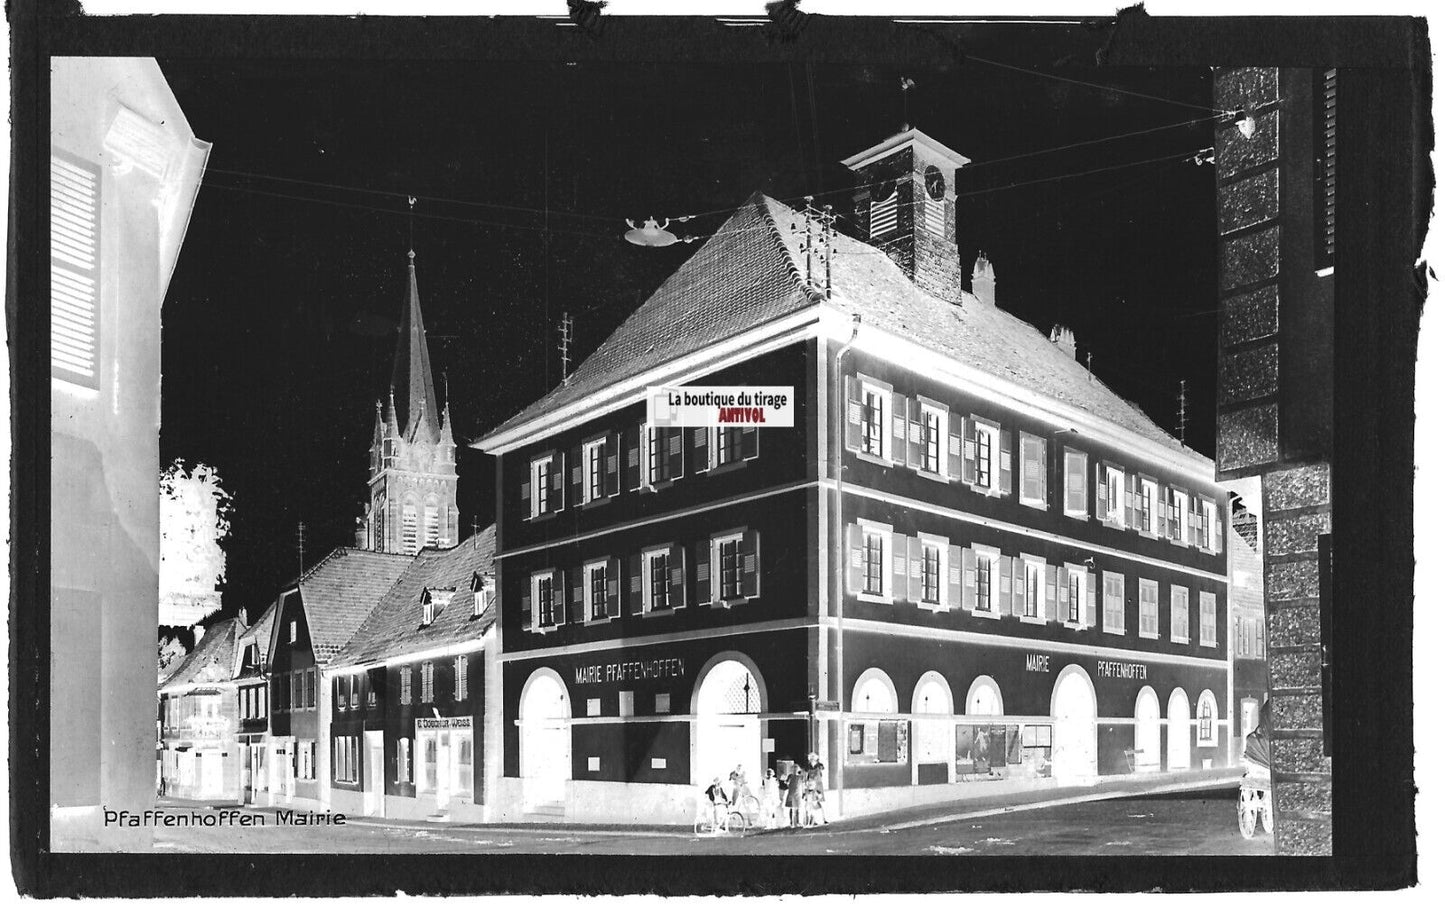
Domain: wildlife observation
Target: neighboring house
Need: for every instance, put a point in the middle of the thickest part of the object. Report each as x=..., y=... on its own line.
x=252, y=708
x=970, y=559
x=409, y=692
x=124, y=171
x=199, y=758
x=314, y=619
x=1247, y=626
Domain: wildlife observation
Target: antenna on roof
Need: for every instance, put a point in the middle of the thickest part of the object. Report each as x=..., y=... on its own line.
x=905, y=83
x=564, y=344
x=820, y=220
x=300, y=548
x=1183, y=405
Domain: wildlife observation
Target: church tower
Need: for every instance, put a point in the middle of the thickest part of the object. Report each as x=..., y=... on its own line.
x=413, y=479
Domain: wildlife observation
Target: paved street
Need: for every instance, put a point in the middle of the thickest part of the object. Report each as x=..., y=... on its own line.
x=1193, y=823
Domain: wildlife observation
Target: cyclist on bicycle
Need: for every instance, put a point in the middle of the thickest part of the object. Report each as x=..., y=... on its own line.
x=718, y=798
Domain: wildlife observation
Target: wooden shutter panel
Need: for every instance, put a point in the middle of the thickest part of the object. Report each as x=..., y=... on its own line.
x=527, y=605
x=900, y=428
x=702, y=572
x=559, y=597
x=609, y=450
x=1161, y=513
x=1005, y=583
x=701, y=451
x=1091, y=609
x=674, y=453
x=853, y=435
x=915, y=569
x=900, y=565
x=1077, y=483
x=955, y=447
x=1101, y=499
x=559, y=469
x=970, y=452
x=1219, y=528
x=1021, y=584
x=74, y=270
x=578, y=605
x=1051, y=593
x=954, y=597
x=576, y=460
x=527, y=491
x=634, y=584
x=970, y=578
x=750, y=442
x=634, y=459
x=751, y=571
x=676, y=577
x=614, y=587
x=1005, y=461
x=914, y=442
x=853, y=548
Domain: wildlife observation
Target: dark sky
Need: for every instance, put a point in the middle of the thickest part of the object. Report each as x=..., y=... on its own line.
x=278, y=325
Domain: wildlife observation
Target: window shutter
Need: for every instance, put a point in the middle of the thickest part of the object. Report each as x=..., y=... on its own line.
x=559, y=597
x=853, y=546
x=1075, y=483
x=527, y=490
x=578, y=607
x=915, y=569
x=1051, y=593
x=674, y=453
x=701, y=452
x=527, y=606
x=750, y=442
x=1218, y=530
x=614, y=587
x=1020, y=586
x=955, y=577
x=955, y=447
x=1161, y=517
x=970, y=452
x=634, y=580
x=634, y=459
x=1101, y=480
x=74, y=271
x=1005, y=582
x=970, y=578
x=702, y=566
x=1005, y=461
x=559, y=469
x=610, y=485
x=900, y=566
x=900, y=428
x=750, y=553
x=1090, y=613
x=853, y=436
x=914, y=445
x=576, y=461
x=676, y=577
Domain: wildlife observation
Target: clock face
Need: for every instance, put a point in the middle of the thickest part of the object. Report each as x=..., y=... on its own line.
x=884, y=191
x=933, y=182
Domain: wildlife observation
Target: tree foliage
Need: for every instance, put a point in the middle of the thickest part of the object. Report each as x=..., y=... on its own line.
x=195, y=518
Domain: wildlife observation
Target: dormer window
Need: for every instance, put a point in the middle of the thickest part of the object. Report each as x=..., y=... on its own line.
x=483, y=590
x=432, y=603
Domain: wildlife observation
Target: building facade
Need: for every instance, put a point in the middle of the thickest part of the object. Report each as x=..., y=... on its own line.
x=1247, y=629
x=968, y=562
x=199, y=720
x=409, y=720
x=253, y=709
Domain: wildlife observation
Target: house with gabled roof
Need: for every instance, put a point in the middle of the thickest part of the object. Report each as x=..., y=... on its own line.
x=253, y=652
x=199, y=758
x=969, y=560
x=314, y=619
x=412, y=734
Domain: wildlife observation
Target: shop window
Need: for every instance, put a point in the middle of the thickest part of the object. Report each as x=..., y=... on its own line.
x=1038, y=749
x=985, y=749
x=403, y=760
x=882, y=742
x=345, y=765
x=462, y=747
x=427, y=778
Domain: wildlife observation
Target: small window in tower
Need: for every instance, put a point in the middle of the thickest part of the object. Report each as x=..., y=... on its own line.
x=430, y=525
x=883, y=212
x=934, y=206
x=408, y=528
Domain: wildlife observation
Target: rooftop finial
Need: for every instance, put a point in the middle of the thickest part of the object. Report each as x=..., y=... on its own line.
x=410, y=241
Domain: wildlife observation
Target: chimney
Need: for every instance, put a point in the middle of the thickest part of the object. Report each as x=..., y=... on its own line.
x=241, y=615
x=361, y=533
x=983, y=280
x=905, y=206
x=198, y=631
x=1063, y=338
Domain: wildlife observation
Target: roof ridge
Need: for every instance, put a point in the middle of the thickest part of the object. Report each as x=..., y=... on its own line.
x=759, y=200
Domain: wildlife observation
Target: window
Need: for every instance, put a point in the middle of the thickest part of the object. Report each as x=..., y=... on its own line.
x=343, y=701
x=876, y=405
x=932, y=573
x=1076, y=495
x=408, y=528
x=933, y=424
x=1175, y=527
x=431, y=530
x=1179, y=614
x=428, y=608
x=403, y=760
x=1148, y=505
x=298, y=690
x=594, y=471
x=1207, y=617
x=652, y=440
x=727, y=556
x=1206, y=711
x=985, y=581
x=985, y=455
x=1113, y=496
x=310, y=683
x=727, y=446
x=484, y=588
x=1208, y=525
x=662, y=703
x=406, y=685
x=74, y=270
x=542, y=597
x=541, y=484
x=345, y=766
x=1148, y=609
x=1076, y=599
x=656, y=566
x=874, y=557
x=597, y=590
x=427, y=780
x=462, y=743
x=1113, y=603
x=883, y=211
x=1035, y=470
x=426, y=681
x=293, y=631
x=1034, y=584
x=459, y=678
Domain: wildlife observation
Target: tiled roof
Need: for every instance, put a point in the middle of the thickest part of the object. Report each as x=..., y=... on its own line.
x=340, y=591
x=394, y=628
x=259, y=633
x=213, y=660
x=748, y=273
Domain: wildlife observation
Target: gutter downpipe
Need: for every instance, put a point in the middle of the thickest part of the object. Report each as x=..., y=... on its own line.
x=840, y=565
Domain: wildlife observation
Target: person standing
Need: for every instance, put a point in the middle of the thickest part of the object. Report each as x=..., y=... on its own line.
x=795, y=798
x=815, y=784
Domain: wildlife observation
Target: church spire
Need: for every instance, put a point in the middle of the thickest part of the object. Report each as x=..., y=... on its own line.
x=411, y=376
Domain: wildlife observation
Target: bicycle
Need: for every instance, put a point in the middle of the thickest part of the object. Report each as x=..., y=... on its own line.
x=737, y=818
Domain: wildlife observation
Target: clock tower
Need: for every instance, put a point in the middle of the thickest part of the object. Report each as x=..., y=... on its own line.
x=905, y=205
x=413, y=478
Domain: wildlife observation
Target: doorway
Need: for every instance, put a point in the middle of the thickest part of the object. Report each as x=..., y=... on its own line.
x=546, y=741
x=935, y=750
x=1178, y=730
x=730, y=698
x=1146, y=731
x=374, y=779
x=1076, y=742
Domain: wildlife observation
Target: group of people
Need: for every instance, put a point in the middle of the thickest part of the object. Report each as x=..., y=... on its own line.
x=795, y=801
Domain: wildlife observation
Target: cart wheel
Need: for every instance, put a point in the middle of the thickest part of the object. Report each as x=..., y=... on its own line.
x=1266, y=814
x=736, y=823
x=1247, y=816
x=701, y=826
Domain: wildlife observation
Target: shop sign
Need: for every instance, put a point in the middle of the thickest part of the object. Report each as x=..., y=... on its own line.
x=1036, y=662
x=655, y=669
x=1124, y=670
x=440, y=724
